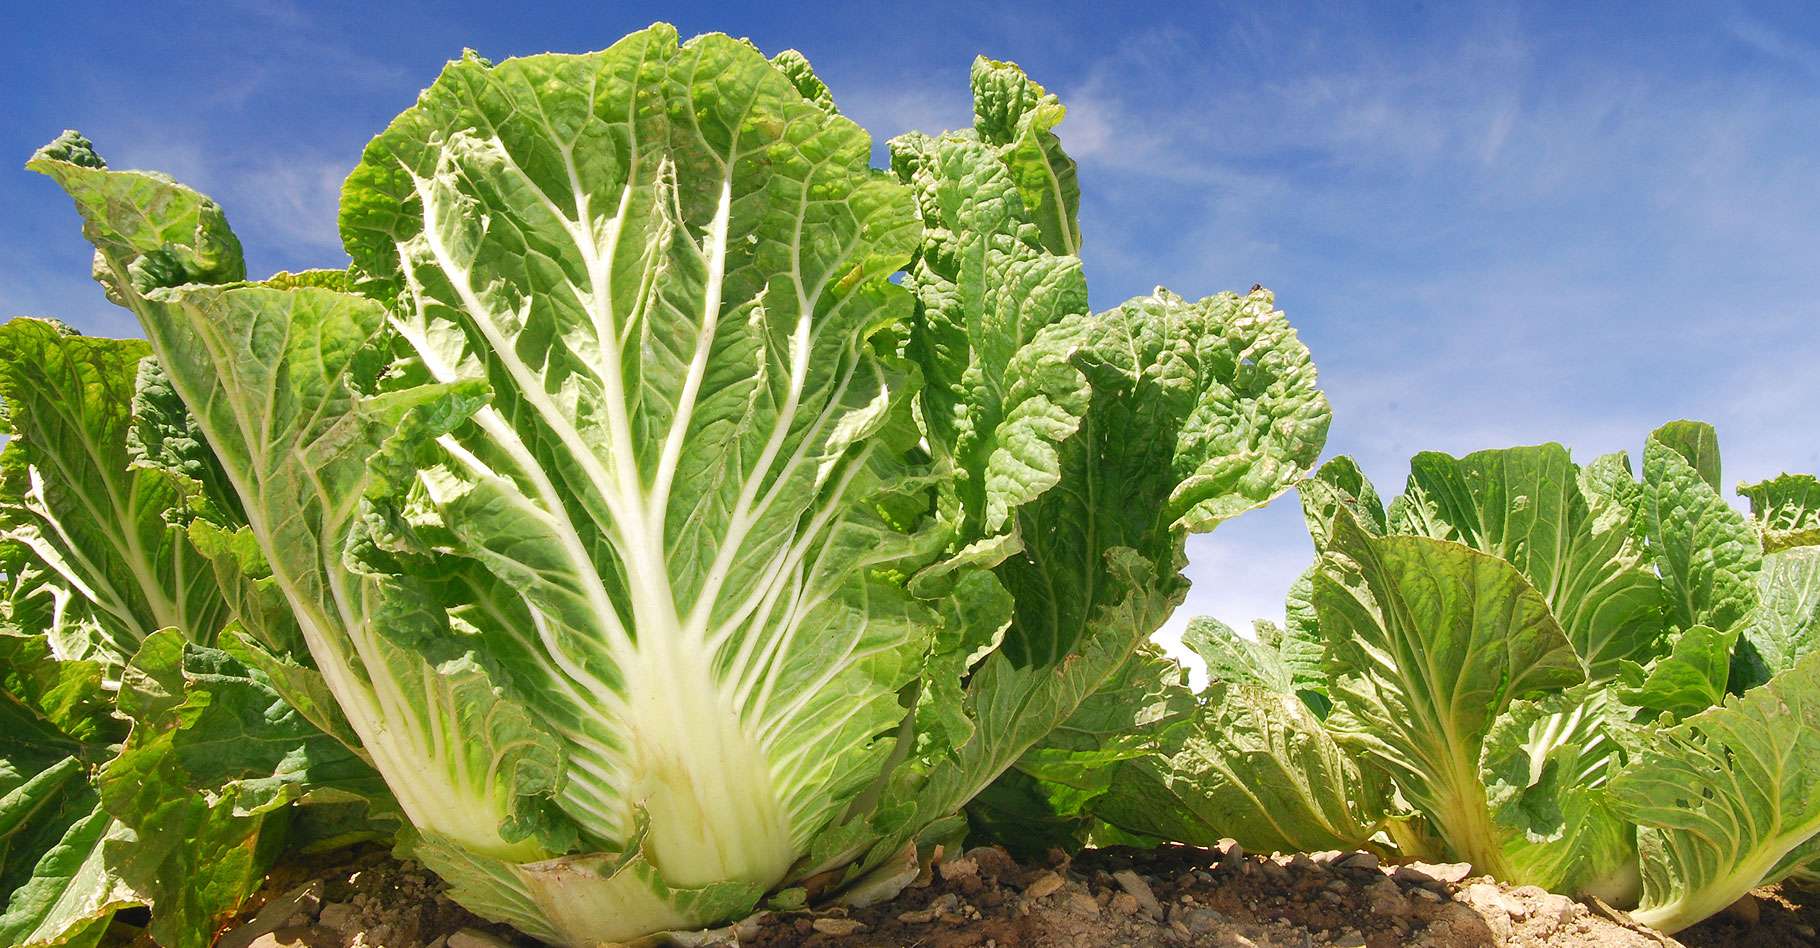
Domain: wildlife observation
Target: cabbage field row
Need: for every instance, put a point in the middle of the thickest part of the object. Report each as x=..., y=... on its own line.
x=668, y=515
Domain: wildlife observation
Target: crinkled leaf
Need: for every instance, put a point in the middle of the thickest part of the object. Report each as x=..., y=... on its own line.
x=1786, y=624
x=1253, y=764
x=1689, y=678
x=1697, y=443
x=73, y=892
x=1786, y=510
x=109, y=527
x=999, y=394
x=1537, y=510
x=1547, y=764
x=1340, y=484
x=1726, y=800
x=1705, y=550
x=1018, y=118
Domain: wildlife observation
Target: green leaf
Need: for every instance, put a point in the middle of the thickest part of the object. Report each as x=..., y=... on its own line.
x=1199, y=411
x=1697, y=443
x=1706, y=551
x=73, y=496
x=1547, y=765
x=1303, y=649
x=1340, y=485
x=273, y=377
x=1786, y=509
x=1576, y=543
x=1253, y=764
x=148, y=231
x=1017, y=117
x=56, y=724
x=1428, y=643
x=1231, y=658
x=1785, y=627
x=72, y=893
x=1049, y=797
x=795, y=65
x=999, y=393
x=1689, y=678
x=1725, y=800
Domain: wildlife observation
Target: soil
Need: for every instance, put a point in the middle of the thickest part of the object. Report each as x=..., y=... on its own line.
x=1174, y=896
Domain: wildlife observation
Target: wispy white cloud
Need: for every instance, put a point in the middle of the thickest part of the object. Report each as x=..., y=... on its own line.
x=1775, y=44
x=293, y=201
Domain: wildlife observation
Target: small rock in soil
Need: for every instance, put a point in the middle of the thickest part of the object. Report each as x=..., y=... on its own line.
x=1138, y=889
x=1387, y=898
x=338, y=916
x=942, y=905
x=475, y=938
x=1432, y=873
x=298, y=904
x=1044, y=885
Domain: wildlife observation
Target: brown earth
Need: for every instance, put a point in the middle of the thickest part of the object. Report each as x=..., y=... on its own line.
x=985, y=899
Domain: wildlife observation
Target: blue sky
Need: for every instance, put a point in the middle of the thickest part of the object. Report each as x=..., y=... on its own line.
x=1493, y=224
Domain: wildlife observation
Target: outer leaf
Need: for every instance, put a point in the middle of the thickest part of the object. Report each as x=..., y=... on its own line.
x=1706, y=552
x=55, y=724
x=1726, y=800
x=1231, y=658
x=270, y=376
x=1536, y=509
x=112, y=531
x=1340, y=485
x=1301, y=645
x=1050, y=797
x=1199, y=411
x=72, y=893
x=1018, y=117
x=1547, y=765
x=1786, y=510
x=795, y=65
x=1254, y=764
x=1688, y=679
x=999, y=393
x=1697, y=444
x=1429, y=641
x=1208, y=409
x=1786, y=624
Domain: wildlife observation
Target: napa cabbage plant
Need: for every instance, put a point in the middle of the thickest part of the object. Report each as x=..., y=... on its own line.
x=1561, y=674
x=657, y=544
